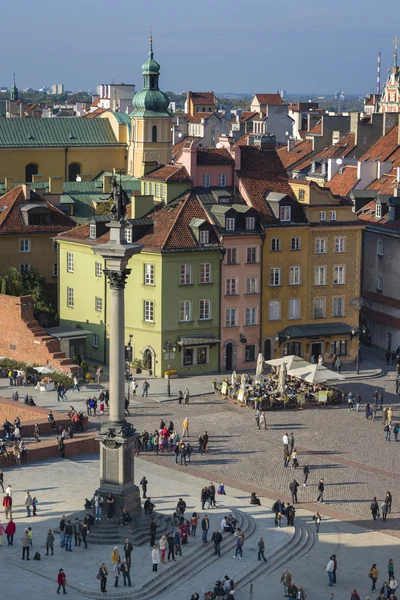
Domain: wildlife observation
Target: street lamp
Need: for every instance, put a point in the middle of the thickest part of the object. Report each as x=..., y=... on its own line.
x=167, y=349
x=359, y=304
x=128, y=357
x=356, y=331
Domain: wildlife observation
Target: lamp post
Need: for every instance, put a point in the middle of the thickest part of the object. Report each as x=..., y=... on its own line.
x=358, y=304
x=129, y=360
x=356, y=331
x=167, y=349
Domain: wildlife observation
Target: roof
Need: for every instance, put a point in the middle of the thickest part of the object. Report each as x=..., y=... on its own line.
x=178, y=147
x=383, y=148
x=342, y=148
x=367, y=213
x=269, y=99
x=200, y=116
x=246, y=115
x=243, y=140
x=168, y=173
x=197, y=340
x=12, y=221
x=122, y=118
x=384, y=184
x=95, y=113
x=202, y=97
x=214, y=156
x=317, y=129
x=31, y=133
x=319, y=329
x=343, y=181
x=67, y=332
x=290, y=157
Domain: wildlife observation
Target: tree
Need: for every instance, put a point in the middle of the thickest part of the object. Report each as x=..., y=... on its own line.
x=11, y=282
x=34, y=284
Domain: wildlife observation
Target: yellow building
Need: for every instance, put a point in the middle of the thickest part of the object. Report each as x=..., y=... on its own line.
x=311, y=273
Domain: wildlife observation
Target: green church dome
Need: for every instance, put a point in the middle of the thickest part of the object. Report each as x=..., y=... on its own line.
x=150, y=101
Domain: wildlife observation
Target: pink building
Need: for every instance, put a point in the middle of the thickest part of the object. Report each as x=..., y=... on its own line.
x=207, y=167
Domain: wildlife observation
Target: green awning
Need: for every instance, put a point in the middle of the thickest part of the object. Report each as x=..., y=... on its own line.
x=316, y=330
x=199, y=340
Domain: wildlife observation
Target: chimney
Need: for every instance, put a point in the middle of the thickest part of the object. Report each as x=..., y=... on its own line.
x=140, y=206
x=107, y=184
x=237, y=158
x=56, y=185
x=389, y=121
x=291, y=144
x=36, y=178
x=9, y=183
x=26, y=188
x=84, y=177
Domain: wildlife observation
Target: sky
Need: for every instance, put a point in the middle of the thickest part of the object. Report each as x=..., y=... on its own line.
x=312, y=46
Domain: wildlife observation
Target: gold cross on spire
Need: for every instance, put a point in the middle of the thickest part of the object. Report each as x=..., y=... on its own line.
x=395, y=42
x=151, y=34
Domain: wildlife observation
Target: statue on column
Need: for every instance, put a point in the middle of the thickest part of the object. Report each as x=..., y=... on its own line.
x=119, y=201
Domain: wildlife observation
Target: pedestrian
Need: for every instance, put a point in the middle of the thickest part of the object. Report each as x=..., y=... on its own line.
x=373, y=575
x=180, y=396
x=110, y=506
x=239, y=547
x=77, y=532
x=61, y=446
x=50, y=542
x=153, y=530
x=384, y=416
x=146, y=386
x=291, y=442
x=163, y=548
x=388, y=356
x=286, y=456
x=321, y=488
x=128, y=551
x=143, y=484
x=286, y=581
x=306, y=472
x=2, y=480
x=290, y=514
x=389, y=415
x=391, y=569
x=25, y=541
x=261, y=549
x=205, y=526
x=116, y=564
x=171, y=546
x=102, y=575
x=98, y=503
x=69, y=529
x=75, y=387
x=381, y=398
x=216, y=538
x=384, y=509
x=374, y=508
x=387, y=429
x=194, y=522
x=7, y=503
x=62, y=581
x=354, y=595
x=317, y=520
x=178, y=545
x=186, y=396
x=125, y=570
x=329, y=569
x=396, y=430
x=389, y=500
x=2, y=530
x=293, y=488
x=368, y=410
x=338, y=365
x=335, y=566
x=350, y=401
x=10, y=532
x=84, y=532
x=155, y=558
x=185, y=427
x=28, y=504
x=37, y=432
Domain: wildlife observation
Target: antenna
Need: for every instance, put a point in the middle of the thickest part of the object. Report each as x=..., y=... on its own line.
x=378, y=75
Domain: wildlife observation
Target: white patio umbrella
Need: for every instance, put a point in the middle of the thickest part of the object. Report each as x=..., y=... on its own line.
x=44, y=370
x=315, y=374
x=291, y=361
x=282, y=377
x=233, y=378
x=259, y=368
x=243, y=382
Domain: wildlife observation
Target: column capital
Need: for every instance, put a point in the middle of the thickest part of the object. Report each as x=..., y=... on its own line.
x=117, y=279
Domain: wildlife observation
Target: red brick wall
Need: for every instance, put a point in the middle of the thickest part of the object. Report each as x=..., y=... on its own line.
x=84, y=443
x=22, y=338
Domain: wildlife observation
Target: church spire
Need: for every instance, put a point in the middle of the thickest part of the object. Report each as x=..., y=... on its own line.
x=395, y=41
x=14, y=90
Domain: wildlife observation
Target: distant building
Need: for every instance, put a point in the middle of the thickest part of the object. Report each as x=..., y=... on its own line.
x=390, y=101
x=261, y=101
x=57, y=88
x=117, y=97
x=200, y=102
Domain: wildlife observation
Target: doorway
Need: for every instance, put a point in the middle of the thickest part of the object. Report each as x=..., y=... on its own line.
x=229, y=356
x=267, y=349
x=316, y=351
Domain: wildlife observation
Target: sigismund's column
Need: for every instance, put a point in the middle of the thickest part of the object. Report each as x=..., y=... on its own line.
x=117, y=437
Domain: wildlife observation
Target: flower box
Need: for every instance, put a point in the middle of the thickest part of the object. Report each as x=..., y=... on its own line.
x=172, y=376
x=47, y=387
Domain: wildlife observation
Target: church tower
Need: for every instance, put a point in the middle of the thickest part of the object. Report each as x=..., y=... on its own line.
x=390, y=101
x=151, y=137
x=14, y=90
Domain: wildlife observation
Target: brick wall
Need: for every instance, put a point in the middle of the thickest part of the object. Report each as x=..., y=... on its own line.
x=84, y=443
x=22, y=338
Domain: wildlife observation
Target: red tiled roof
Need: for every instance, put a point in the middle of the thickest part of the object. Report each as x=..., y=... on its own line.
x=342, y=148
x=317, y=129
x=214, y=156
x=11, y=220
x=198, y=117
x=303, y=133
x=299, y=152
x=178, y=147
x=95, y=113
x=367, y=213
x=304, y=165
x=31, y=107
x=270, y=99
x=202, y=97
x=242, y=141
x=386, y=183
x=383, y=148
x=343, y=181
x=169, y=173
x=247, y=114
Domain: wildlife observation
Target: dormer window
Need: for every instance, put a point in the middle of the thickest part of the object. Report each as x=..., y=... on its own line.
x=92, y=231
x=250, y=223
x=204, y=237
x=128, y=236
x=230, y=224
x=302, y=194
x=285, y=213
x=378, y=211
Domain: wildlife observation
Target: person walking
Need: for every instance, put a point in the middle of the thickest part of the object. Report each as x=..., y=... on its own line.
x=125, y=570
x=69, y=530
x=286, y=581
x=387, y=429
x=171, y=547
x=335, y=566
x=163, y=548
x=329, y=569
x=216, y=538
x=205, y=526
x=381, y=398
x=185, y=427
x=61, y=446
x=186, y=395
x=389, y=415
x=239, y=547
x=317, y=520
x=116, y=564
x=293, y=488
x=143, y=484
x=374, y=507
x=75, y=387
x=146, y=386
x=306, y=472
x=25, y=540
x=110, y=506
x=28, y=503
x=178, y=545
x=50, y=542
x=102, y=575
x=261, y=549
x=373, y=575
x=7, y=503
x=390, y=569
x=77, y=532
x=128, y=551
x=63, y=522
x=321, y=488
x=291, y=442
x=155, y=558
x=180, y=396
x=10, y=532
x=62, y=581
x=385, y=510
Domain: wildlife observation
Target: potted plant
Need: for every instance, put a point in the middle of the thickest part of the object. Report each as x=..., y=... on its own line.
x=136, y=366
x=172, y=374
x=146, y=363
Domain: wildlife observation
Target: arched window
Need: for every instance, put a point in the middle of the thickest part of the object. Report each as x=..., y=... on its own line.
x=154, y=133
x=30, y=170
x=74, y=169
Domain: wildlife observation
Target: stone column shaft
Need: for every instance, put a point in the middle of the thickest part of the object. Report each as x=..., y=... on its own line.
x=117, y=355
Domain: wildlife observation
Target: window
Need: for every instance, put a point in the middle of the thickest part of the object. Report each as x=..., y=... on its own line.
x=231, y=256
x=149, y=274
x=206, y=180
x=24, y=245
x=128, y=236
x=295, y=243
x=55, y=270
x=98, y=269
x=92, y=231
x=339, y=347
x=98, y=303
x=251, y=316
x=146, y=188
x=70, y=262
x=163, y=191
x=157, y=190
x=95, y=340
x=379, y=283
x=302, y=194
x=338, y=275
x=154, y=133
x=293, y=348
x=294, y=308
x=320, y=276
x=30, y=170
x=187, y=357
x=274, y=313
x=294, y=275
x=319, y=308
x=149, y=311
x=185, y=310
x=338, y=306
x=250, y=223
x=252, y=255
x=251, y=285
x=186, y=275
x=205, y=310
x=322, y=215
x=204, y=237
x=275, y=244
x=339, y=244
x=378, y=210
x=231, y=287
x=230, y=224
x=55, y=246
x=152, y=189
x=275, y=276
x=230, y=317
x=222, y=180
x=332, y=215
x=249, y=353
x=285, y=213
x=24, y=268
x=379, y=248
x=70, y=297
x=205, y=273
x=201, y=355
x=320, y=246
